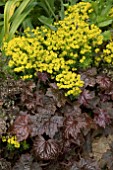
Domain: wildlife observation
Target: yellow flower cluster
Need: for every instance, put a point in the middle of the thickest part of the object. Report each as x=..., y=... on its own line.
x=60, y=53
x=11, y=140
x=70, y=81
x=76, y=40
x=80, y=10
x=108, y=53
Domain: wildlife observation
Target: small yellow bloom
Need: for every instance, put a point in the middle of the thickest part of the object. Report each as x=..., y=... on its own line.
x=17, y=144
x=4, y=139
x=97, y=50
x=9, y=140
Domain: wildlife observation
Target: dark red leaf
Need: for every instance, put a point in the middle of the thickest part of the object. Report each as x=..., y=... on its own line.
x=73, y=126
x=45, y=150
x=90, y=123
x=57, y=95
x=107, y=107
x=26, y=162
x=86, y=96
x=93, y=102
x=53, y=85
x=72, y=109
x=30, y=104
x=39, y=98
x=109, y=92
x=43, y=77
x=85, y=164
x=104, y=97
x=28, y=85
x=52, y=126
x=26, y=95
x=21, y=127
x=89, y=77
x=101, y=118
x=92, y=71
x=49, y=126
x=48, y=107
x=31, y=100
x=88, y=81
x=104, y=82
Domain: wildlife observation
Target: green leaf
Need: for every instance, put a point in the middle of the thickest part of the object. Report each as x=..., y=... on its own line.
x=47, y=21
x=2, y=3
x=1, y=23
x=106, y=35
x=16, y=23
x=61, y=12
x=8, y=12
x=106, y=10
x=48, y=6
x=105, y=23
x=27, y=23
x=20, y=9
x=1, y=16
x=44, y=7
x=1, y=36
x=73, y=2
x=100, y=19
x=14, y=16
x=95, y=7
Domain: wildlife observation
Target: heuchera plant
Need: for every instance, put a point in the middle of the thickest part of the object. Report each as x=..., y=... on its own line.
x=53, y=122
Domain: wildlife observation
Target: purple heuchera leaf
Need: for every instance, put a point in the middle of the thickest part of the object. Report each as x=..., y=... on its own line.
x=89, y=81
x=92, y=71
x=89, y=77
x=73, y=126
x=101, y=118
x=104, y=97
x=57, y=95
x=21, y=127
x=31, y=100
x=86, y=96
x=109, y=92
x=51, y=126
x=53, y=85
x=26, y=162
x=45, y=149
x=104, y=81
x=90, y=123
x=85, y=164
x=43, y=77
x=72, y=109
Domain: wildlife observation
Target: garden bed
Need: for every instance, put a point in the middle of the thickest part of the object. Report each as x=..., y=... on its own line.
x=56, y=89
